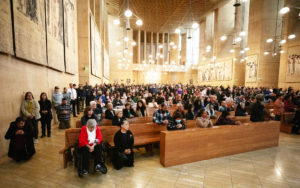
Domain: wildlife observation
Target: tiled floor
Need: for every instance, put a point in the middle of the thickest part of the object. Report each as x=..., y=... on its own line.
x=273, y=167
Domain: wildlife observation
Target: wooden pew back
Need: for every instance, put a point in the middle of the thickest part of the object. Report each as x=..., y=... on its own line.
x=285, y=121
x=201, y=144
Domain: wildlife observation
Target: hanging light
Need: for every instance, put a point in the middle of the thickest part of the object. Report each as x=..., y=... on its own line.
x=231, y=51
x=174, y=47
x=133, y=43
x=242, y=51
x=195, y=25
x=118, y=42
x=247, y=49
x=177, y=31
x=126, y=39
x=281, y=51
x=125, y=51
x=243, y=33
x=284, y=10
x=172, y=43
x=158, y=54
x=283, y=41
x=139, y=22
x=266, y=53
x=223, y=38
x=160, y=46
x=117, y=22
x=161, y=56
x=238, y=39
x=237, y=3
x=234, y=59
x=128, y=13
x=119, y=53
x=269, y=40
x=292, y=36
x=208, y=48
x=203, y=58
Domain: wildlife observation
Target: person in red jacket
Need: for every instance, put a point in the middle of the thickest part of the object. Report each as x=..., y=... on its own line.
x=89, y=142
x=288, y=104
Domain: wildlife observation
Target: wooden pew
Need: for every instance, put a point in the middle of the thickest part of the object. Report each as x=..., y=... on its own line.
x=285, y=122
x=201, y=144
x=242, y=119
x=144, y=134
x=71, y=138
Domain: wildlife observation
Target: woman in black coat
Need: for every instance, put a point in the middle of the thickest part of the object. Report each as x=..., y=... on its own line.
x=46, y=114
x=21, y=145
x=257, y=110
x=124, y=141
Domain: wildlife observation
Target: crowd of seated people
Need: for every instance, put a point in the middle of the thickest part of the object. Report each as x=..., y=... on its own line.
x=120, y=102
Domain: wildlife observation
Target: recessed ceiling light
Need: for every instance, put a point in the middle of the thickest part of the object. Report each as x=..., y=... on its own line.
x=284, y=10
x=128, y=13
x=269, y=40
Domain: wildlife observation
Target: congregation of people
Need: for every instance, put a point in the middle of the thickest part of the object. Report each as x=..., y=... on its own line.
x=118, y=103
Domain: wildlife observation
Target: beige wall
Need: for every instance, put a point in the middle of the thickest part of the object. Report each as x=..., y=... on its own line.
x=18, y=77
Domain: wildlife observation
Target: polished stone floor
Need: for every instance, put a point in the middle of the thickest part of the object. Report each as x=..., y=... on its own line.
x=273, y=167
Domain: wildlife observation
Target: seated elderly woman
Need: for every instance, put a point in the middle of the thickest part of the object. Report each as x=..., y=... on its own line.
x=21, y=145
x=89, y=142
x=203, y=120
x=97, y=110
x=124, y=142
x=118, y=118
x=176, y=122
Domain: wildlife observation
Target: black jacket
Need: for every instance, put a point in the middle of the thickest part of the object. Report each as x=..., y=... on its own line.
x=109, y=115
x=257, y=112
x=117, y=121
x=172, y=125
x=84, y=119
x=123, y=142
x=45, y=105
x=29, y=146
x=189, y=115
x=126, y=113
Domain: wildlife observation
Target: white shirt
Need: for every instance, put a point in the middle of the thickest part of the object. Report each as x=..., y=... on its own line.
x=91, y=135
x=73, y=93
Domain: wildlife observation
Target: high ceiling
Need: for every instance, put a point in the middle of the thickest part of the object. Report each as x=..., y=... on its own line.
x=165, y=15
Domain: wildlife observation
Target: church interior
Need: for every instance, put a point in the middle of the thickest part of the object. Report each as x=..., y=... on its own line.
x=150, y=93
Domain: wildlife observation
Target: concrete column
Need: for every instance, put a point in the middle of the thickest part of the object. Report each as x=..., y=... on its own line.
x=83, y=21
x=145, y=46
x=262, y=22
x=139, y=46
x=163, y=49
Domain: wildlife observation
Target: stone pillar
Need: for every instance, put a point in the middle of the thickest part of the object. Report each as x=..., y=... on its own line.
x=290, y=26
x=83, y=41
x=262, y=24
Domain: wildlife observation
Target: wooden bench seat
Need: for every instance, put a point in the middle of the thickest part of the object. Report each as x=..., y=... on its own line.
x=144, y=134
x=201, y=144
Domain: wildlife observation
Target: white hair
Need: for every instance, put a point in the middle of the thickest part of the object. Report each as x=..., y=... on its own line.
x=91, y=123
x=92, y=103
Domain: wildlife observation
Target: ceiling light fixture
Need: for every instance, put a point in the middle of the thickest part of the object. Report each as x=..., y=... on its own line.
x=139, y=22
x=128, y=13
x=177, y=31
x=284, y=10
x=292, y=36
x=117, y=22
x=195, y=25
x=269, y=40
x=223, y=38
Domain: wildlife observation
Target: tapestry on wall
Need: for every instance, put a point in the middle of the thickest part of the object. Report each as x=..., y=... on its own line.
x=95, y=50
x=6, y=41
x=55, y=41
x=228, y=70
x=251, y=69
x=70, y=32
x=106, y=65
x=29, y=26
x=293, y=65
x=221, y=71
